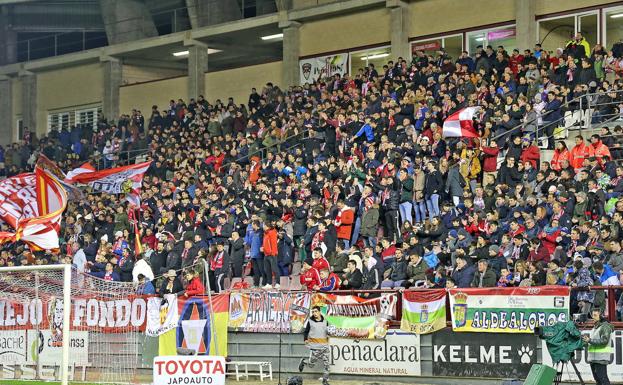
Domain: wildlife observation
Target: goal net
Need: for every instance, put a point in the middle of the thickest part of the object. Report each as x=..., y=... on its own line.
x=97, y=338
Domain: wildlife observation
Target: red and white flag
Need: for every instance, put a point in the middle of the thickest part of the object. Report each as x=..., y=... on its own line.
x=32, y=204
x=119, y=180
x=461, y=124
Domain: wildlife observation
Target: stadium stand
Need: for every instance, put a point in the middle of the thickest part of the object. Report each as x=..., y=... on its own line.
x=301, y=185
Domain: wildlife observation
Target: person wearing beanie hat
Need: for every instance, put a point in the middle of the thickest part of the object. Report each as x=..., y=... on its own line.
x=494, y=250
x=453, y=234
x=310, y=277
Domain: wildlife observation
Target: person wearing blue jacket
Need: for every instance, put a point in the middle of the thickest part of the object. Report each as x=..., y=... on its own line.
x=367, y=129
x=253, y=242
x=145, y=287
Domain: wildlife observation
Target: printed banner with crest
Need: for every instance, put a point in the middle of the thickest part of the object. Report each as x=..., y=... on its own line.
x=322, y=66
x=507, y=309
x=203, y=328
x=268, y=312
x=350, y=316
x=423, y=311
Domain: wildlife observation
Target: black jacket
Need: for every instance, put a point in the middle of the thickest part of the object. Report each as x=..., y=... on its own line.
x=433, y=183
x=177, y=287
x=299, y=226
x=355, y=279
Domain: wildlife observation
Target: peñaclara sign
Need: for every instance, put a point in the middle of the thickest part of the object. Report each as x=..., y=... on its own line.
x=396, y=355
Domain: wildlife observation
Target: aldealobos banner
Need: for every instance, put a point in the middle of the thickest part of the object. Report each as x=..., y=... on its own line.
x=350, y=316
x=268, y=312
x=508, y=310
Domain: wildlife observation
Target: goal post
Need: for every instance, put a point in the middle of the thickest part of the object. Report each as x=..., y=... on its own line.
x=66, y=270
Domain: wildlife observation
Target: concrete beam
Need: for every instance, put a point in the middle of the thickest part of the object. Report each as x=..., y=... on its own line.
x=127, y=20
x=29, y=100
x=399, y=29
x=150, y=63
x=197, y=67
x=6, y=111
x=234, y=26
x=525, y=26
x=291, y=54
x=113, y=72
x=335, y=8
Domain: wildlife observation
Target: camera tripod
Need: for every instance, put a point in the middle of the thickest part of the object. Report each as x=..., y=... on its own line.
x=558, y=378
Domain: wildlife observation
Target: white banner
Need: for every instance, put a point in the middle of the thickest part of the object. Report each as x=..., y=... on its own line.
x=173, y=370
x=162, y=315
x=13, y=346
x=44, y=345
x=311, y=69
x=397, y=355
x=28, y=346
x=615, y=368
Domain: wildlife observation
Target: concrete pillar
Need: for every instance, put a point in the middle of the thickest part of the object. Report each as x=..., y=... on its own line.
x=8, y=39
x=113, y=71
x=291, y=53
x=399, y=29
x=197, y=67
x=127, y=20
x=29, y=101
x=525, y=28
x=6, y=111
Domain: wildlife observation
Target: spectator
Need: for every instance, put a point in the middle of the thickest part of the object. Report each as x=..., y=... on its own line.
x=416, y=271
x=194, y=286
x=328, y=281
x=396, y=273
x=310, y=277
x=171, y=285
x=271, y=256
x=145, y=287
x=464, y=273
x=484, y=277
x=352, y=278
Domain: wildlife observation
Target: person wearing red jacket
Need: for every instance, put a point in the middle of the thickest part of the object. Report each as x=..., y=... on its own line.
x=599, y=150
x=579, y=153
x=550, y=236
x=310, y=278
x=269, y=248
x=344, y=223
x=560, y=153
x=538, y=252
x=530, y=153
x=330, y=281
x=489, y=163
x=195, y=286
x=319, y=261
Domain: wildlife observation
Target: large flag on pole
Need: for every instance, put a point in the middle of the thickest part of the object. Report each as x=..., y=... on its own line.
x=32, y=204
x=461, y=124
x=119, y=180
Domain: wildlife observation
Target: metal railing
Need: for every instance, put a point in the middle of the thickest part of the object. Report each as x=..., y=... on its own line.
x=584, y=103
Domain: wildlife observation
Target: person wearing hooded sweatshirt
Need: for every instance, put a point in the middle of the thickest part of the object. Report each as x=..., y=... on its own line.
x=310, y=277
x=317, y=340
x=598, y=346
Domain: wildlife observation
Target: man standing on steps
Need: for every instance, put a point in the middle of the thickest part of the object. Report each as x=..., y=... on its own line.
x=317, y=341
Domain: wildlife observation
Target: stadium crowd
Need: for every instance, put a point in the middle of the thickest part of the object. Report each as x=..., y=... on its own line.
x=352, y=177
